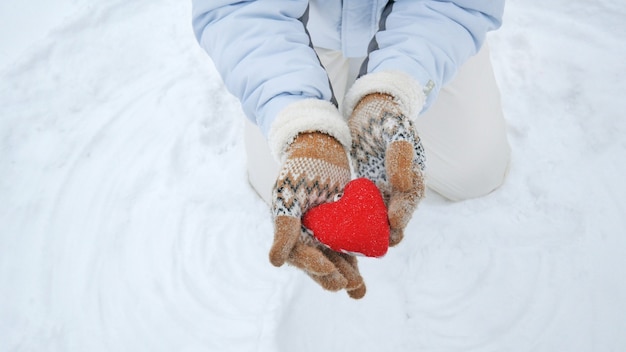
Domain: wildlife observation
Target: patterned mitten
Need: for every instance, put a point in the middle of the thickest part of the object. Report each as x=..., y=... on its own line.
x=315, y=171
x=387, y=150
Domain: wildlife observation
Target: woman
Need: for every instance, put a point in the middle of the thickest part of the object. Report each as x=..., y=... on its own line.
x=425, y=86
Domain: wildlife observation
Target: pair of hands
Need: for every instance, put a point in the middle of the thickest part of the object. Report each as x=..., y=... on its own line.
x=385, y=149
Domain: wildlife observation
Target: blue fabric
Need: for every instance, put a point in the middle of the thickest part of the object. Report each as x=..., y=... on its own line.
x=263, y=52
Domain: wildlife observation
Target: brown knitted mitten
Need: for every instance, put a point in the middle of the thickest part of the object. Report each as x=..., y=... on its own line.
x=387, y=150
x=316, y=169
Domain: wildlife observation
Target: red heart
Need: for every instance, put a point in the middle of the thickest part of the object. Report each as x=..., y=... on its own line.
x=357, y=223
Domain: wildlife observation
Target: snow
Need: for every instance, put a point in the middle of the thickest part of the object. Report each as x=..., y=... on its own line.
x=127, y=224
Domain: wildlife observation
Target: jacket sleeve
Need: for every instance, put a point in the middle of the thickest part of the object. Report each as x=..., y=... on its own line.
x=262, y=51
x=430, y=40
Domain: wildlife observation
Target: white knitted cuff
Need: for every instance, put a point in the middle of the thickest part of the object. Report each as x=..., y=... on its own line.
x=310, y=115
x=404, y=89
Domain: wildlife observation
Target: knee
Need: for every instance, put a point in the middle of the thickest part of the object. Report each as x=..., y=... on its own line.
x=471, y=177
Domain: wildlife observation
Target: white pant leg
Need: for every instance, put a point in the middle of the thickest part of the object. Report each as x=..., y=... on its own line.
x=463, y=133
x=262, y=168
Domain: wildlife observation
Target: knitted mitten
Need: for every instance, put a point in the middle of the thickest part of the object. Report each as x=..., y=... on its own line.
x=387, y=150
x=315, y=170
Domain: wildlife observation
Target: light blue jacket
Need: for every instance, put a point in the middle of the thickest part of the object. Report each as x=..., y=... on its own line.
x=262, y=48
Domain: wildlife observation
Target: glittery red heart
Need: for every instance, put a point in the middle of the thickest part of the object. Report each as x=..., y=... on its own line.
x=357, y=223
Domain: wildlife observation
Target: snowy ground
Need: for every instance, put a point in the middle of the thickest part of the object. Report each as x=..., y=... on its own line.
x=126, y=223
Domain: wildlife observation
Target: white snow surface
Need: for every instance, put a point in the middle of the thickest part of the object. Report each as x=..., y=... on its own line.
x=127, y=223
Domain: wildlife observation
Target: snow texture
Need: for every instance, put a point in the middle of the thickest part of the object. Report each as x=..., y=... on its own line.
x=127, y=223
